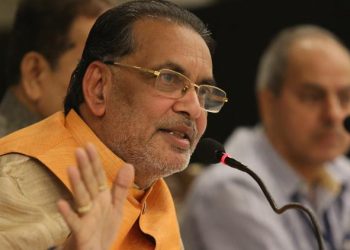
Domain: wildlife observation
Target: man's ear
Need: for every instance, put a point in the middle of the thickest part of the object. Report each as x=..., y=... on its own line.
x=34, y=68
x=95, y=87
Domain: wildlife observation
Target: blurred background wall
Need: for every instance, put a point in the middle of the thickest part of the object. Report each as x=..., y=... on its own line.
x=242, y=29
x=7, y=11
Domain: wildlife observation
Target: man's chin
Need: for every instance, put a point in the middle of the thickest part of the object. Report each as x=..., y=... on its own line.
x=325, y=156
x=178, y=163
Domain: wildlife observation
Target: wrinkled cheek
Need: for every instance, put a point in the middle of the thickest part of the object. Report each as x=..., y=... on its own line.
x=202, y=124
x=193, y=147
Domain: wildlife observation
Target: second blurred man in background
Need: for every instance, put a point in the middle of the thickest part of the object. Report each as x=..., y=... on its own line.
x=46, y=44
x=303, y=89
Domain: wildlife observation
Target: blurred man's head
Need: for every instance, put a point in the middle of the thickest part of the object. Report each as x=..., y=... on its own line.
x=47, y=41
x=303, y=87
x=128, y=87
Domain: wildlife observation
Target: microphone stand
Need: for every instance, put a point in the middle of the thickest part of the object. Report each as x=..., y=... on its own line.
x=236, y=164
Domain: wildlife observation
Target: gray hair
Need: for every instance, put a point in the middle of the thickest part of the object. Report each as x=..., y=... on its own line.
x=274, y=61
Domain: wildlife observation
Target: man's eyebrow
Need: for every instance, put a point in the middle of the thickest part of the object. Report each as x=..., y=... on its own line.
x=172, y=66
x=312, y=86
x=315, y=86
x=347, y=88
x=309, y=86
x=209, y=81
x=179, y=69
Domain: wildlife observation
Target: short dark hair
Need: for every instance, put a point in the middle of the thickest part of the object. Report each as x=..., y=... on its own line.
x=111, y=37
x=43, y=26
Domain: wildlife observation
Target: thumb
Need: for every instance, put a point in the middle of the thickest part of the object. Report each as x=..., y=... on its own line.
x=121, y=185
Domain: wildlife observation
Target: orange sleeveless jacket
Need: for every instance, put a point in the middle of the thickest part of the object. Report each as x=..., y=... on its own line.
x=149, y=222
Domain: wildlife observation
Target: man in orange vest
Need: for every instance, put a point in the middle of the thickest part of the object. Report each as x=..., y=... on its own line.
x=139, y=95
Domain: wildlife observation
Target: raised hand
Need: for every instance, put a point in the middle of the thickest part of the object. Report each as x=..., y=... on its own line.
x=95, y=221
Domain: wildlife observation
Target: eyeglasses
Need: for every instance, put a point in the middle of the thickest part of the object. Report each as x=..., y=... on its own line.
x=175, y=85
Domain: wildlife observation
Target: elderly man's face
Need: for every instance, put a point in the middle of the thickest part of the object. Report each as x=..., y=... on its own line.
x=155, y=133
x=306, y=121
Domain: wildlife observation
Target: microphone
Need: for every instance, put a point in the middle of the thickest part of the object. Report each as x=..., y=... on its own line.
x=346, y=123
x=210, y=151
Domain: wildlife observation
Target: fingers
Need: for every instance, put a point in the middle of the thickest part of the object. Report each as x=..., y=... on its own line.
x=80, y=192
x=122, y=183
x=97, y=168
x=86, y=159
x=69, y=215
x=99, y=225
x=91, y=170
x=89, y=179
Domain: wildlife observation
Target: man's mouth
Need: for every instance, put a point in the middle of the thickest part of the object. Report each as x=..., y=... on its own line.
x=179, y=134
x=181, y=137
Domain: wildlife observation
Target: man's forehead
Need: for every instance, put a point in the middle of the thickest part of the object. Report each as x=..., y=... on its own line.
x=152, y=29
x=158, y=42
x=159, y=36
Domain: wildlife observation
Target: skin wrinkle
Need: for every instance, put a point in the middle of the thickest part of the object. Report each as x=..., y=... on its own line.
x=141, y=116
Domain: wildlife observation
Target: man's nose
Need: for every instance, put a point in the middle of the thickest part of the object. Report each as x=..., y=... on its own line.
x=333, y=110
x=189, y=104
